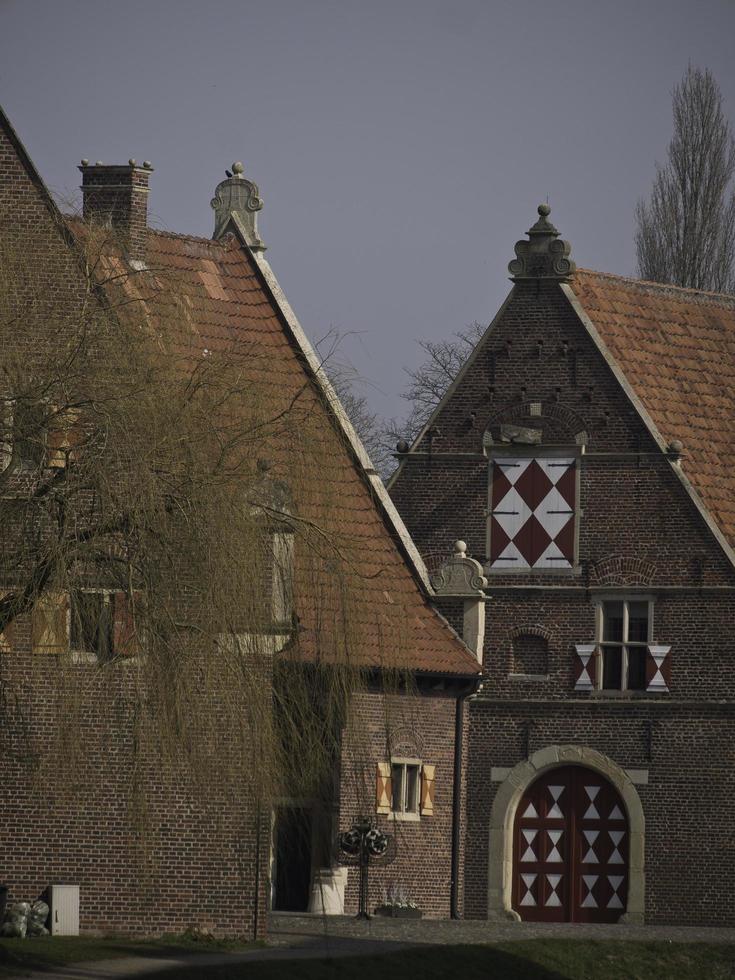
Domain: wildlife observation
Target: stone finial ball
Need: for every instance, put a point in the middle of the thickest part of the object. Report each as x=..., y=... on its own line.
x=148, y=165
x=402, y=446
x=460, y=547
x=237, y=168
x=676, y=445
x=132, y=162
x=544, y=210
x=85, y=162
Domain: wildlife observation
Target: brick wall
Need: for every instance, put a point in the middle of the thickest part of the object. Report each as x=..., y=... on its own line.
x=687, y=754
x=148, y=855
x=638, y=534
x=151, y=861
x=423, y=848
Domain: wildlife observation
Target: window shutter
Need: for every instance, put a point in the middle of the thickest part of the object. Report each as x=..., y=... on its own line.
x=585, y=667
x=63, y=436
x=50, y=623
x=532, y=522
x=125, y=641
x=283, y=557
x=383, y=788
x=6, y=433
x=5, y=639
x=427, y=790
x=658, y=668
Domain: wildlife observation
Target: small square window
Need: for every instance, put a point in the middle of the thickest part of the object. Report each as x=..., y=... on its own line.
x=624, y=629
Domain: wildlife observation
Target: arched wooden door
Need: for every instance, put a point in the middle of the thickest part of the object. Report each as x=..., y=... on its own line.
x=570, y=849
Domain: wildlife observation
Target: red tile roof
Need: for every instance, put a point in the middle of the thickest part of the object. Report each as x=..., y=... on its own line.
x=676, y=348
x=220, y=290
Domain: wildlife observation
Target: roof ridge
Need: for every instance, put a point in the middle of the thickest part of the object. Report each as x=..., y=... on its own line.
x=217, y=243
x=74, y=218
x=662, y=286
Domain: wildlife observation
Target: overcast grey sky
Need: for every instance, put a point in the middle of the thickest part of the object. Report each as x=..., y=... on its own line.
x=401, y=147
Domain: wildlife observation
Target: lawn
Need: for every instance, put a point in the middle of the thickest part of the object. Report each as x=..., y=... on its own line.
x=539, y=959
x=39, y=953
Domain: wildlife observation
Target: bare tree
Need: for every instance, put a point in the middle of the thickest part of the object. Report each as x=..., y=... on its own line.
x=429, y=381
x=370, y=427
x=685, y=232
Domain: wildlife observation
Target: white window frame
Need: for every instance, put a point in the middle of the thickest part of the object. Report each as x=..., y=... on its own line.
x=404, y=813
x=624, y=643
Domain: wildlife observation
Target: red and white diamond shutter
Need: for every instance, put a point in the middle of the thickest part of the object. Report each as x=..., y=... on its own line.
x=533, y=503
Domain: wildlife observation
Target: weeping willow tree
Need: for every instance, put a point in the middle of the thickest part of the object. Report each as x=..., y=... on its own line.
x=156, y=496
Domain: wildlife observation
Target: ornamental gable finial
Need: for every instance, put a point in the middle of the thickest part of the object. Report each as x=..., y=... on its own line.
x=238, y=196
x=544, y=255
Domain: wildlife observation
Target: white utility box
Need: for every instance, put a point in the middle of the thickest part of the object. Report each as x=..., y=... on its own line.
x=64, y=902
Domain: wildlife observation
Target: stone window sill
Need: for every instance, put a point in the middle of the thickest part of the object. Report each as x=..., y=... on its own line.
x=405, y=817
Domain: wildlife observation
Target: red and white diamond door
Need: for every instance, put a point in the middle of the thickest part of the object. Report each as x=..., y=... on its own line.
x=532, y=521
x=570, y=849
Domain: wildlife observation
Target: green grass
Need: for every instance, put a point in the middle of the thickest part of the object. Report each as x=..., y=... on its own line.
x=540, y=959
x=47, y=951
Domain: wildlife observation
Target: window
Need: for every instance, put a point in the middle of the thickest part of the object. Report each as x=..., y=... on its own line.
x=29, y=431
x=532, y=523
x=624, y=630
x=406, y=784
x=405, y=789
x=91, y=625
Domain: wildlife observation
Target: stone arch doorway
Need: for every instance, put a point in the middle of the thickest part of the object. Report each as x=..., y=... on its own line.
x=570, y=849
x=505, y=807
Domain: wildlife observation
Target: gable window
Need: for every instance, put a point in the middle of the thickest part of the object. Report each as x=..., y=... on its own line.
x=533, y=505
x=624, y=630
x=90, y=625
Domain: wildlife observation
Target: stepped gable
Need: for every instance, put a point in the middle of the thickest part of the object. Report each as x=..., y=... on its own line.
x=220, y=289
x=676, y=348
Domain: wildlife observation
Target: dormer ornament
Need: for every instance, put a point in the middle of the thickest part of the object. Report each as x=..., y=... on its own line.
x=544, y=255
x=460, y=575
x=238, y=197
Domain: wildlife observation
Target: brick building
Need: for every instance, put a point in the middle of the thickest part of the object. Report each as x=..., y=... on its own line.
x=584, y=454
x=402, y=745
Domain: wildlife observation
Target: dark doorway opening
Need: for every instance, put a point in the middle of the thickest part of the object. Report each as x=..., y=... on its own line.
x=293, y=844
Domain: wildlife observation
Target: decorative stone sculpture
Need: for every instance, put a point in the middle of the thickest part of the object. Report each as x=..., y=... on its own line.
x=459, y=575
x=544, y=255
x=238, y=197
x=462, y=577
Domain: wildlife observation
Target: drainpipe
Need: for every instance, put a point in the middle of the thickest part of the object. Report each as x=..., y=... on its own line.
x=456, y=807
x=256, y=910
x=460, y=577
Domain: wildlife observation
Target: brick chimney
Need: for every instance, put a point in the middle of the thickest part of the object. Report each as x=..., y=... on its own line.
x=117, y=197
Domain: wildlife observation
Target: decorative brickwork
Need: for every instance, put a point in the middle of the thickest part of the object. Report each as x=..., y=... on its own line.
x=618, y=570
